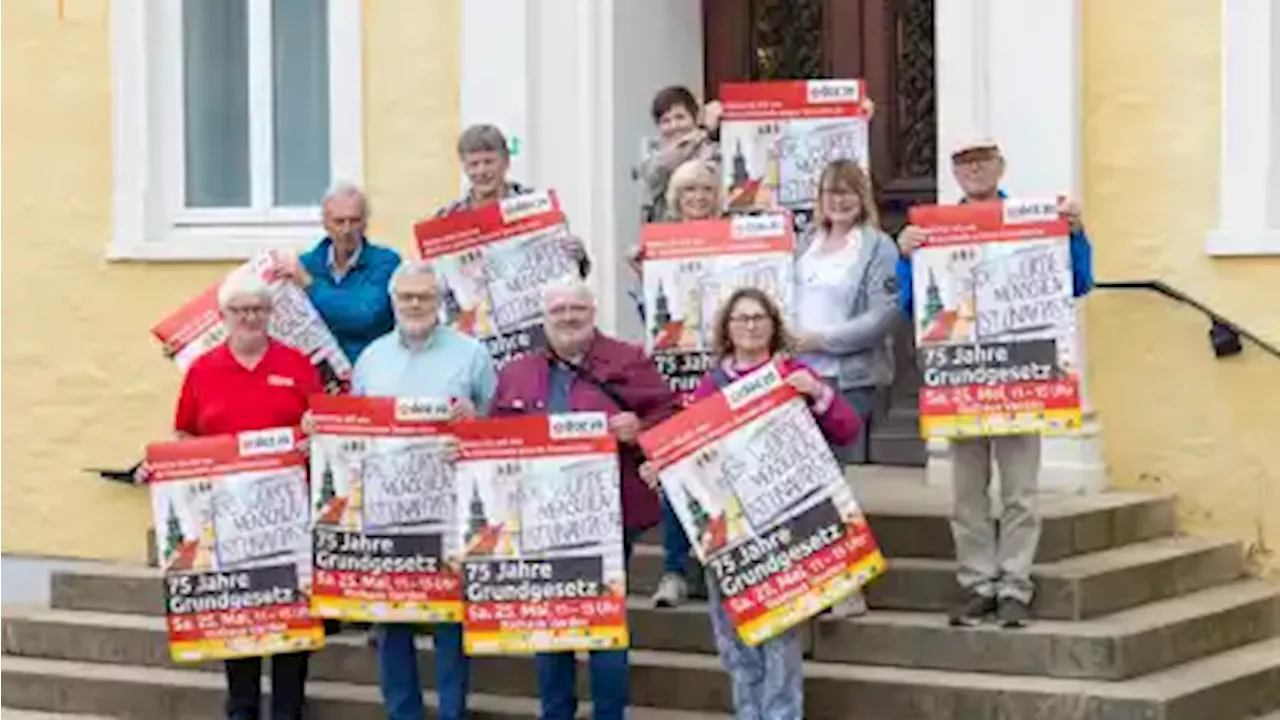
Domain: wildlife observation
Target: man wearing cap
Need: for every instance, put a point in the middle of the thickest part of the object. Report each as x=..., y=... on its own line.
x=994, y=568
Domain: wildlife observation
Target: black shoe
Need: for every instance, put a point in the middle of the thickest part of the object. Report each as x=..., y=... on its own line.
x=1013, y=613
x=973, y=610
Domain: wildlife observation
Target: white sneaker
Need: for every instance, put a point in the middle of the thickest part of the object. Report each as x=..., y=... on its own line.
x=672, y=590
x=853, y=606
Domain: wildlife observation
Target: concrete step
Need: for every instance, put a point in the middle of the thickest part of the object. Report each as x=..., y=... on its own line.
x=1236, y=684
x=7, y=713
x=1137, y=641
x=912, y=519
x=1114, y=647
x=164, y=694
x=1079, y=587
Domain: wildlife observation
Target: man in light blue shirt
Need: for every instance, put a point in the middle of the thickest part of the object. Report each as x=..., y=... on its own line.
x=421, y=358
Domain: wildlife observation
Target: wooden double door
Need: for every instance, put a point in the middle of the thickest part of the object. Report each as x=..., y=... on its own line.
x=889, y=44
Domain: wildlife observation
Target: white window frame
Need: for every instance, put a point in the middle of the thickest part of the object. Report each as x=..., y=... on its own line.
x=1249, y=174
x=149, y=220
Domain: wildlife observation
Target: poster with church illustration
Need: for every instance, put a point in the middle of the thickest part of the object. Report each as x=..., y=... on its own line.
x=995, y=320
x=382, y=498
x=196, y=326
x=764, y=503
x=691, y=268
x=776, y=137
x=539, y=523
x=234, y=544
x=493, y=262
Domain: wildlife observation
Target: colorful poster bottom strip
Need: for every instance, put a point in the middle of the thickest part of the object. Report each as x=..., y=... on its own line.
x=519, y=607
x=383, y=578
x=795, y=571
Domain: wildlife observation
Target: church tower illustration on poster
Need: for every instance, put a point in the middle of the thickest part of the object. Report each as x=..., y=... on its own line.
x=740, y=174
x=661, y=310
x=933, y=300
x=452, y=308
x=478, y=520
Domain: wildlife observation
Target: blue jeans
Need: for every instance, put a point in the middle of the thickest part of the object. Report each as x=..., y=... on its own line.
x=398, y=672
x=767, y=680
x=863, y=400
x=610, y=679
x=675, y=543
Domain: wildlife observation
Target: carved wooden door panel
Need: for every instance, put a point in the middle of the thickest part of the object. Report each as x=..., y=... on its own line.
x=888, y=43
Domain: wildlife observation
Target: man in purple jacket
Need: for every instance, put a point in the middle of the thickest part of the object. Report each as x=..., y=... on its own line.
x=583, y=370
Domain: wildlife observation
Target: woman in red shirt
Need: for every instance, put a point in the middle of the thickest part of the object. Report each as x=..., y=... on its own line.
x=250, y=382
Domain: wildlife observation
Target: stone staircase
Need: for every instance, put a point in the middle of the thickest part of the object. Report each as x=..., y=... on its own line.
x=1136, y=623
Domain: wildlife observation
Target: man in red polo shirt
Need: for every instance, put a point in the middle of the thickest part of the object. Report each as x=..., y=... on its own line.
x=250, y=382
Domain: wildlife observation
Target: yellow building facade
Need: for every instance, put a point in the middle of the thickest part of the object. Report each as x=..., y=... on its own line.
x=85, y=384
x=1174, y=417
x=88, y=387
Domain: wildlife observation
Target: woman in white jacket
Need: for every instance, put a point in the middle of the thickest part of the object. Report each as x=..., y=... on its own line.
x=846, y=303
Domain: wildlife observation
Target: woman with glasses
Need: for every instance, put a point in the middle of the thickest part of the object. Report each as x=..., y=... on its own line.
x=767, y=679
x=250, y=382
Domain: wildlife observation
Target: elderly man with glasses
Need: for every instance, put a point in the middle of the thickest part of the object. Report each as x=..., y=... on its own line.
x=994, y=562
x=584, y=370
x=422, y=358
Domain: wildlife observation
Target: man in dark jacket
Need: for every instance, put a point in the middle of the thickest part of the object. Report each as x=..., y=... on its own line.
x=584, y=370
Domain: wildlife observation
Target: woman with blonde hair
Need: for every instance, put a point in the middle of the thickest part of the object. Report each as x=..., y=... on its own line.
x=693, y=193
x=846, y=302
x=767, y=679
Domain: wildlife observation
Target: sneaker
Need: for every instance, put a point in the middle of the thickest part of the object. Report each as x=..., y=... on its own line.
x=672, y=590
x=973, y=610
x=853, y=606
x=1013, y=613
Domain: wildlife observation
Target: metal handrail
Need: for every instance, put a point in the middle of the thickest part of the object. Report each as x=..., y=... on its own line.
x=1221, y=324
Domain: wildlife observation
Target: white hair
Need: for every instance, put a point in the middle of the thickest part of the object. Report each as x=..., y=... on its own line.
x=242, y=281
x=412, y=268
x=344, y=189
x=571, y=285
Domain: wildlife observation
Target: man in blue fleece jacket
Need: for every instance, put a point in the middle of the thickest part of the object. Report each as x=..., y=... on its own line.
x=994, y=566
x=346, y=276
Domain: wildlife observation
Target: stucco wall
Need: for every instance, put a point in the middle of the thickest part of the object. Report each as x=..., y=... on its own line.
x=84, y=383
x=1174, y=417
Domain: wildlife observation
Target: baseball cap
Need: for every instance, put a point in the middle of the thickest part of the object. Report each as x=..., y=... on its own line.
x=972, y=144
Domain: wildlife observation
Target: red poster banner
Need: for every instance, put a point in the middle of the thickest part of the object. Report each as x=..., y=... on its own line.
x=494, y=262
x=691, y=268
x=234, y=546
x=995, y=320
x=539, y=518
x=383, y=516
x=764, y=503
x=777, y=137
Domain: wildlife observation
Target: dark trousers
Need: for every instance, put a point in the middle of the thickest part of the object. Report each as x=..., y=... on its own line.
x=288, y=687
x=610, y=679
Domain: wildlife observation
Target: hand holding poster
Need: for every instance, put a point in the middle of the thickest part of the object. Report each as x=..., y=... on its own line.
x=196, y=327
x=494, y=261
x=539, y=516
x=778, y=136
x=691, y=268
x=995, y=320
x=764, y=503
x=235, y=547
x=383, y=498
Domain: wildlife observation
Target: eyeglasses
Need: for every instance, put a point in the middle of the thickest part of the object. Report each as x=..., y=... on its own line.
x=410, y=298
x=840, y=192
x=247, y=310
x=749, y=320
x=566, y=310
